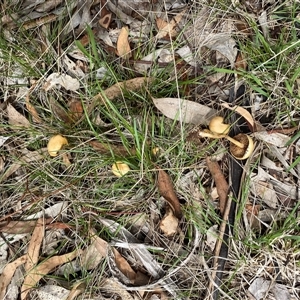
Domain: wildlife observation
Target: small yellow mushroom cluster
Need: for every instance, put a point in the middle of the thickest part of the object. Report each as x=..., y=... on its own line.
x=241, y=145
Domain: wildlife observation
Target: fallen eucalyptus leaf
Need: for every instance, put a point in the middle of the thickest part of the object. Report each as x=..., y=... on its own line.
x=123, y=47
x=185, y=110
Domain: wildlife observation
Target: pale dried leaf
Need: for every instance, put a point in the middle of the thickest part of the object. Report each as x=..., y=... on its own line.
x=112, y=286
x=38, y=272
x=165, y=28
x=53, y=211
x=61, y=80
x=100, y=244
x=270, y=164
x=72, y=67
x=8, y=273
x=169, y=224
x=211, y=237
x=243, y=112
x=52, y=292
x=35, y=244
x=277, y=139
x=3, y=139
x=15, y=118
x=185, y=110
x=275, y=151
x=265, y=191
x=260, y=288
x=123, y=47
x=95, y=252
x=270, y=215
x=77, y=290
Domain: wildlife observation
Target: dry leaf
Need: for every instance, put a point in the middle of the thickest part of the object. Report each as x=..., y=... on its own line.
x=36, y=273
x=8, y=273
x=220, y=181
x=31, y=109
x=35, y=244
x=169, y=223
x=240, y=63
x=15, y=118
x=185, y=110
x=61, y=80
x=277, y=139
x=100, y=244
x=59, y=112
x=19, y=227
x=252, y=212
x=116, y=90
x=111, y=285
x=124, y=266
x=123, y=47
x=165, y=28
x=55, y=144
x=77, y=289
x=105, y=20
x=244, y=113
x=95, y=252
x=260, y=288
x=211, y=237
x=265, y=191
x=28, y=157
x=76, y=109
x=166, y=189
x=108, y=149
x=52, y=292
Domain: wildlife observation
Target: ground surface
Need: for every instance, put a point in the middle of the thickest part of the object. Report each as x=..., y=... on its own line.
x=112, y=183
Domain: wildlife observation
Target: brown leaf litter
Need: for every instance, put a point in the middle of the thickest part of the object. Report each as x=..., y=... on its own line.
x=166, y=189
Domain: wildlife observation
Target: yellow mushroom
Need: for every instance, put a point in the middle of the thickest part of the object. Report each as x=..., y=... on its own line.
x=241, y=145
x=55, y=144
x=246, y=150
x=217, y=125
x=120, y=169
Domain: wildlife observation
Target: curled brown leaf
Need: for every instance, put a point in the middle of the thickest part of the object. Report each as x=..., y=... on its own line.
x=166, y=189
x=220, y=181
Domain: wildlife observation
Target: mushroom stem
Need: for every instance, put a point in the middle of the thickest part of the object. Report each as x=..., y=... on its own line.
x=237, y=143
x=219, y=136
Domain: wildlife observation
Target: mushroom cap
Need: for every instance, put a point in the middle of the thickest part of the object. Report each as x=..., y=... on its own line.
x=246, y=151
x=217, y=126
x=55, y=144
x=120, y=169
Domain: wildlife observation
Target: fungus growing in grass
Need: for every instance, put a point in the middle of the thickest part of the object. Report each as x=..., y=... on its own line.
x=120, y=169
x=55, y=144
x=241, y=145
